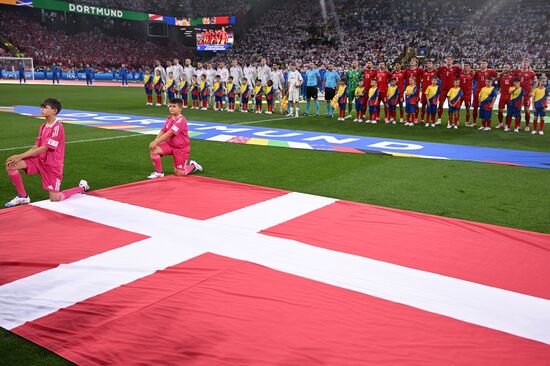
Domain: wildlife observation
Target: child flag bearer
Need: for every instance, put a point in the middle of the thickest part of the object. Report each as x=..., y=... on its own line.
x=45, y=158
x=173, y=139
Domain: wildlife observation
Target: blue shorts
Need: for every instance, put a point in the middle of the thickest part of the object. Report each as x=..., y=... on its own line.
x=359, y=107
x=485, y=114
x=410, y=108
x=431, y=109
x=342, y=105
x=513, y=112
x=392, y=107
x=170, y=95
x=373, y=108
x=454, y=109
x=184, y=96
x=244, y=100
x=218, y=98
x=540, y=112
x=194, y=97
x=148, y=91
x=231, y=100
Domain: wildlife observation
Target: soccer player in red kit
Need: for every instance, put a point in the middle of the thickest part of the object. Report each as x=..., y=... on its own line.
x=369, y=73
x=447, y=74
x=429, y=72
x=415, y=71
x=479, y=77
x=527, y=78
x=399, y=76
x=383, y=77
x=505, y=81
x=466, y=84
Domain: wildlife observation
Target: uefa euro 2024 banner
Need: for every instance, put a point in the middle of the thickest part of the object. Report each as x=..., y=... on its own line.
x=117, y=13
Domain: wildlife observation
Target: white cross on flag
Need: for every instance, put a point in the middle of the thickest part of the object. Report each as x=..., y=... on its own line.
x=207, y=272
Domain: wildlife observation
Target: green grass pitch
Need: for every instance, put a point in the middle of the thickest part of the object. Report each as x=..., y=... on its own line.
x=503, y=195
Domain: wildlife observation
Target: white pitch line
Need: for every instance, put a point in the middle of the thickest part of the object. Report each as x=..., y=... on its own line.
x=79, y=141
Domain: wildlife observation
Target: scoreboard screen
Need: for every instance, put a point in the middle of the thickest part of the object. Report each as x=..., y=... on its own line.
x=209, y=39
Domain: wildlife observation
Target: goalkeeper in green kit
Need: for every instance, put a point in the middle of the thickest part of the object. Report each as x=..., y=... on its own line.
x=352, y=77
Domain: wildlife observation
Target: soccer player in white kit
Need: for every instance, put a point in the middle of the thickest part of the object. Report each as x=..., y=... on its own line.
x=294, y=84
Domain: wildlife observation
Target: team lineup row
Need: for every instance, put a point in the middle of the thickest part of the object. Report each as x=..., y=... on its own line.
x=289, y=85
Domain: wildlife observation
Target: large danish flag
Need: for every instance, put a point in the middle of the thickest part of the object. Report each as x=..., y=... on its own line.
x=207, y=272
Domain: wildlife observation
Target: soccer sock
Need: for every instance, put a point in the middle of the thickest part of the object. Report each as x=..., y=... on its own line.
x=541, y=123
x=488, y=123
x=467, y=115
x=307, y=106
x=188, y=169
x=70, y=192
x=316, y=107
x=415, y=117
x=155, y=158
x=329, y=108
x=508, y=121
x=17, y=181
x=527, y=118
x=474, y=113
x=535, y=123
x=518, y=122
x=483, y=123
x=149, y=98
x=440, y=111
x=159, y=98
x=500, y=116
x=457, y=118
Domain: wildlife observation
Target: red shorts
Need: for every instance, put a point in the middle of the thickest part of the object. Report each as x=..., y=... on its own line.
x=476, y=100
x=382, y=95
x=181, y=155
x=443, y=96
x=527, y=103
x=51, y=181
x=503, y=101
x=467, y=99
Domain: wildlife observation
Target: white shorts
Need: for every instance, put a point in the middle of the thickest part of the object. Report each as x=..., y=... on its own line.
x=293, y=95
x=277, y=94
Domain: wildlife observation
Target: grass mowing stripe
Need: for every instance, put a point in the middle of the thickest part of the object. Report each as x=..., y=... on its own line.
x=78, y=141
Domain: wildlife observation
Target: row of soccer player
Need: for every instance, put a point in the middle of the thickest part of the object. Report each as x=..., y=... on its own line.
x=326, y=79
x=369, y=99
x=202, y=92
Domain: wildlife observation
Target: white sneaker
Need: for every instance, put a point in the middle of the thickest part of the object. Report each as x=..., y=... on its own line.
x=297, y=114
x=197, y=166
x=426, y=125
x=268, y=112
x=204, y=109
x=541, y=133
x=433, y=124
x=360, y=120
x=499, y=126
x=516, y=129
x=392, y=122
x=18, y=201
x=158, y=105
x=481, y=128
x=155, y=175
x=373, y=121
x=506, y=129
x=456, y=127
x=84, y=184
x=487, y=129
x=533, y=132
x=449, y=126
x=438, y=121
x=289, y=114
x=356, y=120
x=526, y=129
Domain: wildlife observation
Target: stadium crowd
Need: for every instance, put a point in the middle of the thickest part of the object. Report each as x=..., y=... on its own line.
x=381, y=29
